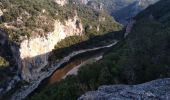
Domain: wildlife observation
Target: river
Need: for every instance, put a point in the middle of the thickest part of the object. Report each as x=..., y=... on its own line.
x=73, y=65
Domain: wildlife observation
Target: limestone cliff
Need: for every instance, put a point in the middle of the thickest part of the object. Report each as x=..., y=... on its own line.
x=34, y=52
x=154, y=90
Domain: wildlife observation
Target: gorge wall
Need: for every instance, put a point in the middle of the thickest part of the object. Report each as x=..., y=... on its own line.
x=34, y=52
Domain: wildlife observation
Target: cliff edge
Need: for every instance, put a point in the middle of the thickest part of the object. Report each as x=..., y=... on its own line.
x=154, y=90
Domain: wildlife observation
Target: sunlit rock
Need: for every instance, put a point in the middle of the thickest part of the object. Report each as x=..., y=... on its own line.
x=154, y=90
x=34, y=52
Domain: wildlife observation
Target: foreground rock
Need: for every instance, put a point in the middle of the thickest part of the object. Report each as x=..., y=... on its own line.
x=154, y=90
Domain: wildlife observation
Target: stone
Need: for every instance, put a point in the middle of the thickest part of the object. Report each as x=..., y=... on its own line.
x=154, y=90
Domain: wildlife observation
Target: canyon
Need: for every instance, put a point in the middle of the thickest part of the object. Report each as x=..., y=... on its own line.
x=31, y=56
x=31, y=36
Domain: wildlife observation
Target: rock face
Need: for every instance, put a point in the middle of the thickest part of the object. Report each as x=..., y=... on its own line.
x=154, y=90
x=34, y=52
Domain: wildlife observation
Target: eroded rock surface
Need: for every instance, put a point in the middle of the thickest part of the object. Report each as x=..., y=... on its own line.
x=154, y=90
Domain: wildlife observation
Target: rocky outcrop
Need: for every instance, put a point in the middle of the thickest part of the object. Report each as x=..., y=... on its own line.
x=154, y=90
x=34, y=52
x=61, y=2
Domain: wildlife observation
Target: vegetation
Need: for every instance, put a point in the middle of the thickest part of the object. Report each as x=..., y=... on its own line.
x=32, y=17
x=3, y=66
x=143, y=56
x=3, y=62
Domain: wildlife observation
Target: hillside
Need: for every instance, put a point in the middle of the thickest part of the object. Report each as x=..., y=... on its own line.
x=121, y=10
x=142, y=57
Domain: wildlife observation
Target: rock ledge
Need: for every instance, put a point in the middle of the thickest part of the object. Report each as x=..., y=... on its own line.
x=154, y=90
